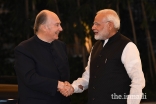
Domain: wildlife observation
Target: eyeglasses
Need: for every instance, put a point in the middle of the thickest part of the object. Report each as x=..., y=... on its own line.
x=98, y=24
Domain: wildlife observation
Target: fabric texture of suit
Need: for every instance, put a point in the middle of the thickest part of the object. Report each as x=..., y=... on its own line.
x=39, y=65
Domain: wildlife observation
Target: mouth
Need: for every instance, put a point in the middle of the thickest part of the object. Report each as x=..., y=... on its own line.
x=95, y=33
x=57, y=33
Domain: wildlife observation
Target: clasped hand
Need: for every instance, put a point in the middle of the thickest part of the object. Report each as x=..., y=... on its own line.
x=67, y=89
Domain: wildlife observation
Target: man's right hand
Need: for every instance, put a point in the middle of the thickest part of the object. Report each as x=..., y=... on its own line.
x=67, y=89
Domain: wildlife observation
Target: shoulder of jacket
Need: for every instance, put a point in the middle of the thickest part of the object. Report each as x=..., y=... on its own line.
x=25, y=44
x=125, y=38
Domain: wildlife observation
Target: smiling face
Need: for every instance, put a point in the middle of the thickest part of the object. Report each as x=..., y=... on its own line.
x=53, y=26
x=100, y=27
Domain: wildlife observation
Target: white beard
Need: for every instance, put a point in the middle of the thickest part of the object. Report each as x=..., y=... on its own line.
x=102, y=35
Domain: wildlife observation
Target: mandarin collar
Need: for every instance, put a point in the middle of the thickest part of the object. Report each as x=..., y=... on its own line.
x=114, y=37
x=111, y=38
x=42, y=42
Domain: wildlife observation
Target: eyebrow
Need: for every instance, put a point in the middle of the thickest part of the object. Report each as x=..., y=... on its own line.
x=58, y=23
x=96, y=23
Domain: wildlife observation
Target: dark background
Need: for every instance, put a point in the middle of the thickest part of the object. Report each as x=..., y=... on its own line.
x=138, y=22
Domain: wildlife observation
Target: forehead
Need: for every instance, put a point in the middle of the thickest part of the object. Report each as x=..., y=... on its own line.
x=99, y=17
x=52, y=17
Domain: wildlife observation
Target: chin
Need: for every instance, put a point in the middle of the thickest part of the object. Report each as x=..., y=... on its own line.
x=56, y=37
x=97, y=38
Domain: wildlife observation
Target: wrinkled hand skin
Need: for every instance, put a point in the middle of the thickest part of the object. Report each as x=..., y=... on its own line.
x=67, y=90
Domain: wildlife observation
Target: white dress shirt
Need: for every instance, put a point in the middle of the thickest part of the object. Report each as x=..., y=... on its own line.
x=132, y=63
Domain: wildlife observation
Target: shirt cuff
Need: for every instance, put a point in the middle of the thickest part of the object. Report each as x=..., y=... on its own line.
x=77, y=89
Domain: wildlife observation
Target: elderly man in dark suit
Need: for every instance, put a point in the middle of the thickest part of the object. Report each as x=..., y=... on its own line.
x=41, y=63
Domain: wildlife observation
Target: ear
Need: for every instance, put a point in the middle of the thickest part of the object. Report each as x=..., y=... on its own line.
x=110, y=25
x=43, y=27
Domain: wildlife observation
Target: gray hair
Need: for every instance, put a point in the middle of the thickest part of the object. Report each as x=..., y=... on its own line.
x=111, y=15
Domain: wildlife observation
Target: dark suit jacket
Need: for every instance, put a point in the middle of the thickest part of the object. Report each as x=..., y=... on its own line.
x=39, y=66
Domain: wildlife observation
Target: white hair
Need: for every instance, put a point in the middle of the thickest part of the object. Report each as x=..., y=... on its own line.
x=111, y=15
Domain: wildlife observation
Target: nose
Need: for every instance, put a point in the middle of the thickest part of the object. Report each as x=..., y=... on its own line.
x=93, y=27
x=60, y=28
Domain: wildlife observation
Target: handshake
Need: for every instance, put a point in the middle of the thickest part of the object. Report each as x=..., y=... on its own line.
x=65, y=88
